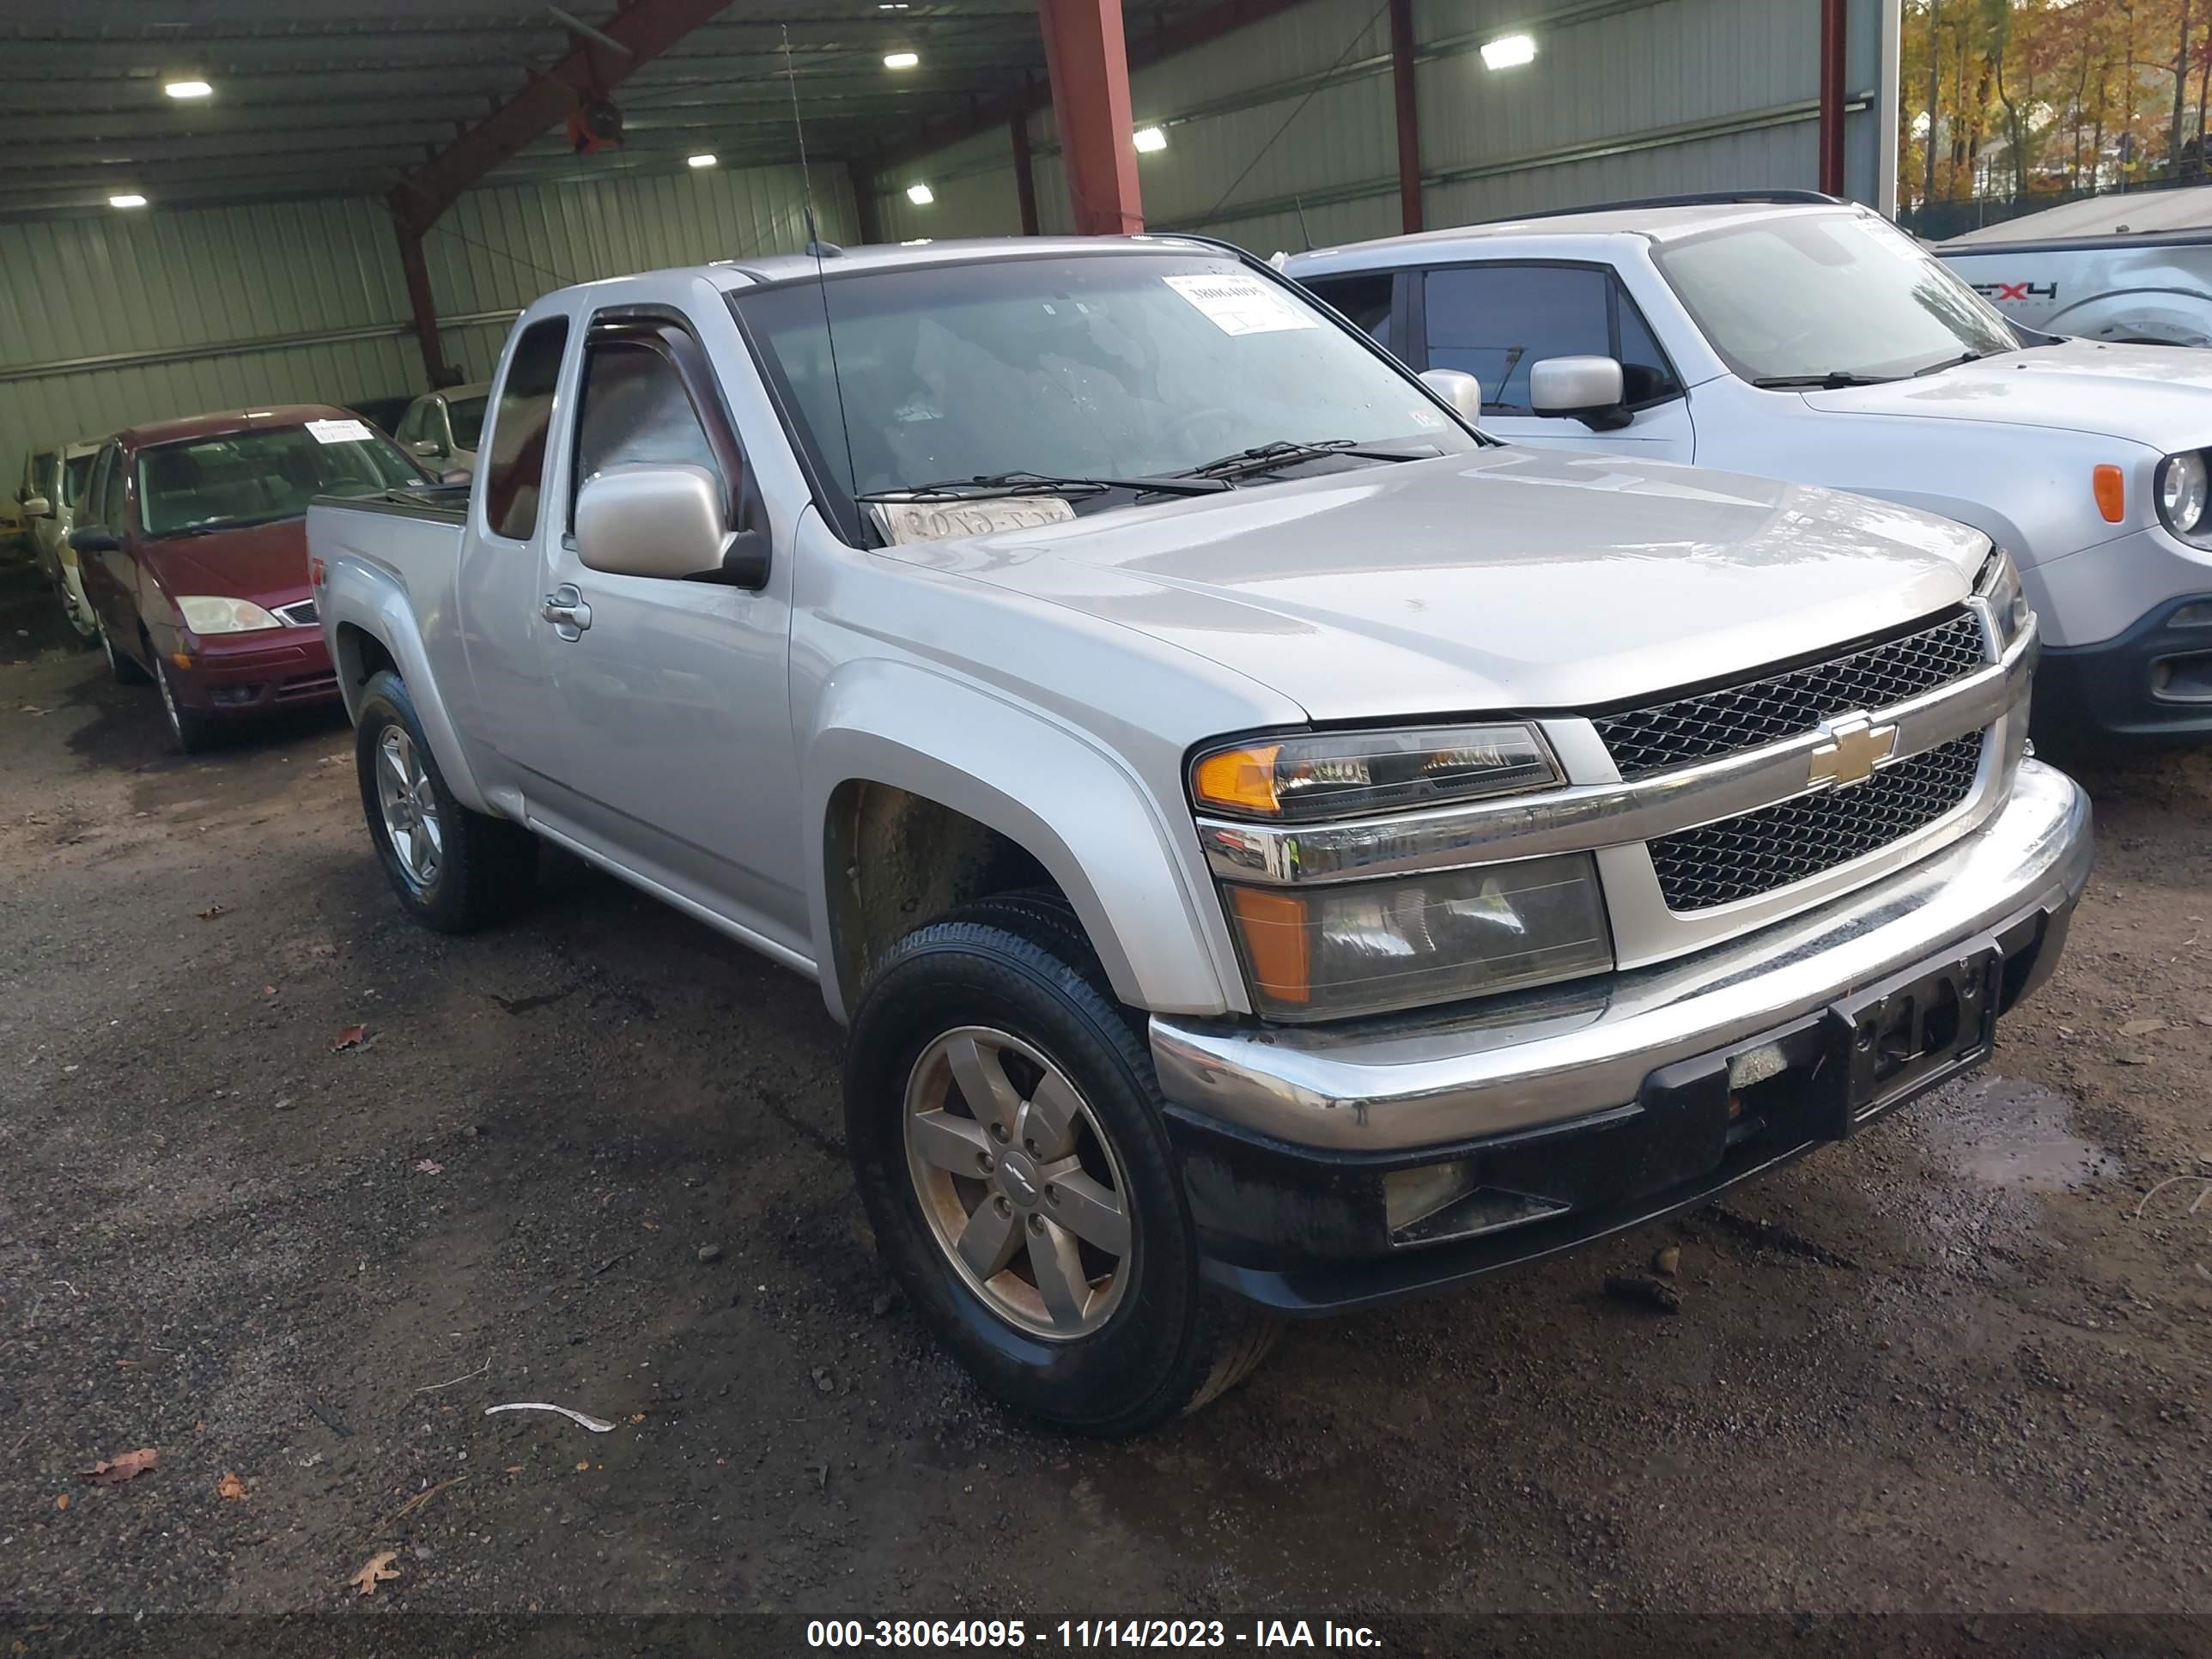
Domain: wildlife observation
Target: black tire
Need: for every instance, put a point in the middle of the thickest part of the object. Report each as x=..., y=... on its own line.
x=121, y=668
x=1020, y=964
x=487, y=866
x=192, y=730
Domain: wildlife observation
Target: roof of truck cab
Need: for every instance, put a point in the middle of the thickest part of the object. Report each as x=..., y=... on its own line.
x=1652, y=224
x=793, y=267
x=228, y=420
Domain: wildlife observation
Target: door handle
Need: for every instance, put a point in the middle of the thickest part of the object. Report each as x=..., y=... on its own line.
x=565, y=610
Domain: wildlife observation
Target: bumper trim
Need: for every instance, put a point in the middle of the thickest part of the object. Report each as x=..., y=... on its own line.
x=1555, y=1056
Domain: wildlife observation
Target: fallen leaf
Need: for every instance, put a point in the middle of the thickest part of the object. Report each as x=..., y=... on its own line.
x=380, y=1569
x=212, y=912
x=428, y=1166
x=581, y=1467
x=2141, y=1027
x=350, y=1038
x=230, y=1487
x=267, y=990
x=61, y=1502
x=114, y=1471
x=515, y=1469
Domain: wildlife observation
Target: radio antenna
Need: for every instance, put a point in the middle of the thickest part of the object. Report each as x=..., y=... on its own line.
x=821, y=250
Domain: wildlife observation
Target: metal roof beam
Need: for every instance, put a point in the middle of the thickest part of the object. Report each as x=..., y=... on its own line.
x=59, y=94
x=409, y=116
x=29, y=154
x=644, y=29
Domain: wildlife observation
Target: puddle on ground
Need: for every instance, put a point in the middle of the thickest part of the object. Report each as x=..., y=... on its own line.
x=2006, y=1133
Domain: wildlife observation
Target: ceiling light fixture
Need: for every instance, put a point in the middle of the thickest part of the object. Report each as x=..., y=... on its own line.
x=126, y=200
x=1151, y=139
x=705, y=158
x=1509, y=52
x=901, y=59
x=920, y=195
x=188, y=89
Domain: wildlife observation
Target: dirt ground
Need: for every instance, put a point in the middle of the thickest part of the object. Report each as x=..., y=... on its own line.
x=593, y=1158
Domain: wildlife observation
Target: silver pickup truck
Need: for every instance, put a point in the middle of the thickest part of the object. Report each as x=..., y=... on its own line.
x=1275, y=848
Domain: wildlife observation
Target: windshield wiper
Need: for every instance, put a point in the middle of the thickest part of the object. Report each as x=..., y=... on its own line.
x=1267, y=458
x=1834, y=381
x=1952, y=363
x=1039, y=484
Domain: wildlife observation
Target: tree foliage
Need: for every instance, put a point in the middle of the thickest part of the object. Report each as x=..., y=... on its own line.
x=2013, y=97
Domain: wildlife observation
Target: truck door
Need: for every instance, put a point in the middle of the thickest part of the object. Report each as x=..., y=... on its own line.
x=675, y=754
x=1497, y=321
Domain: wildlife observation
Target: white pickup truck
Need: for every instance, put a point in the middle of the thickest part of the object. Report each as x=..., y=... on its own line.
x=1275, y=848
x=1806, y=338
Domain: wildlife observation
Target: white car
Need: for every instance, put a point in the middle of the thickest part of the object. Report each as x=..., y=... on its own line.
x=441, y=429
x=1809, y=339
x=2134, y=269
x=53, y=484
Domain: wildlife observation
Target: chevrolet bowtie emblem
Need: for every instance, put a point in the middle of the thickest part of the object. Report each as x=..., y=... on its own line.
x=1855, y=747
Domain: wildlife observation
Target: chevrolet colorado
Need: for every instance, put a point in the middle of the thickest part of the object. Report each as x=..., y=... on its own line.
x=1275, y=848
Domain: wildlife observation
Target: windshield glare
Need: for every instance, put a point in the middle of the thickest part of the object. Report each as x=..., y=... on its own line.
x=467, y=416
x=1105, y=365
x=261, y=476
x=1816, y=295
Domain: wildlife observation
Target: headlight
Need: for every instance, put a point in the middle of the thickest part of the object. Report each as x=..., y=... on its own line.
x=1999, y=585
x=2182, y=496
x=1333, y=774
x=1326, y=952
x=203, y=615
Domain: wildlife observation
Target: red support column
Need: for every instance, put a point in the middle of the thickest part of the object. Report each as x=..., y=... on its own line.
x=1089, y=60
x=1831, y=96
x=424, y=304
x=1409, y=124
x=1018, y=129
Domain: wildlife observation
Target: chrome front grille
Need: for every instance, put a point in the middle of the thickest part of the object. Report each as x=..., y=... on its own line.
x=302, y=615
x=1709, y=724
x=1795, y=840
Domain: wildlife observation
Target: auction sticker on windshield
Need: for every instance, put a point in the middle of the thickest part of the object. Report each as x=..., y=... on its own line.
x=937, y=521
x=340, y=432
x=1239, y=304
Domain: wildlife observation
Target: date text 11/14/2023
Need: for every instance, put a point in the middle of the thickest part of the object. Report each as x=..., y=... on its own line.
x=1073, y=1634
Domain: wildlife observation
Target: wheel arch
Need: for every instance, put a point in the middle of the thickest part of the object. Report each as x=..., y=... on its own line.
x=370, y=628
x=997, y=791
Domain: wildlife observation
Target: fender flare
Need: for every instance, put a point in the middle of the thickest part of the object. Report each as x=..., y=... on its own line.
x=1070, y=803
x=362, y=597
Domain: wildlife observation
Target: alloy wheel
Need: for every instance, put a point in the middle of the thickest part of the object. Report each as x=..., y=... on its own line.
x=1021, y=1188
x=168, y=697
x=409, y=807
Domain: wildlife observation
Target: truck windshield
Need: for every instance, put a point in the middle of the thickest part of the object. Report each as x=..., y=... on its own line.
x=1111, y=366
x=237, y=478
x=1805, y=298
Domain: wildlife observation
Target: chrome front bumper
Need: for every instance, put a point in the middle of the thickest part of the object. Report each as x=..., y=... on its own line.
x=1555, y=1056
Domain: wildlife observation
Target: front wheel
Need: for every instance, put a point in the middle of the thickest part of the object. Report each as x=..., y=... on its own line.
x=121, y=668
x=454, y=870
x=1006, y=1135
x=192, y=730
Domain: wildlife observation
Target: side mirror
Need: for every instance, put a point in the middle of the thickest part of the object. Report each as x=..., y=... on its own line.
x=1588, y=389
x=1456, y=387
x=37, y=507
x=427, y=446
x=457, y=475
x=94, y=538
x=665, y=521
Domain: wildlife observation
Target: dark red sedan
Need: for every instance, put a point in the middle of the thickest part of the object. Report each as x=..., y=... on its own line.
x=191, y=539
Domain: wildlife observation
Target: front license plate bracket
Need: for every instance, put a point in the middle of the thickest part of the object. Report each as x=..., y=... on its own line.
x=1906, y=1036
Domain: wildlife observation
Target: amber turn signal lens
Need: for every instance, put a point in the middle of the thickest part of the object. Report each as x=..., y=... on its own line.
x=1242, y=780
x=2112, y=486
x=1278, y=944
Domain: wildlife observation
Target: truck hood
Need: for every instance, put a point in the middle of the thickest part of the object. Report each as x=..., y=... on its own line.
x=266, y=563
x=2158, y=396
x=1510, y=578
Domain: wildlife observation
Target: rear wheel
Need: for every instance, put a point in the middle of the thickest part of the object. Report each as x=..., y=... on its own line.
x=454, y=870
x=1006, y=1131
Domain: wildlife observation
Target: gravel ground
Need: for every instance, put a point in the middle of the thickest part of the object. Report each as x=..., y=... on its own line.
x=1955, y=1367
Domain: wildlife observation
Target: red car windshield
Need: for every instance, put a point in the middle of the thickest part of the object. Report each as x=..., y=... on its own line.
x=258, y=476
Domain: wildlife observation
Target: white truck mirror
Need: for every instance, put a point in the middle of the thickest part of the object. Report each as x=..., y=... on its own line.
x=652, y=521
x=1456, y=387
x=1579, y=388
